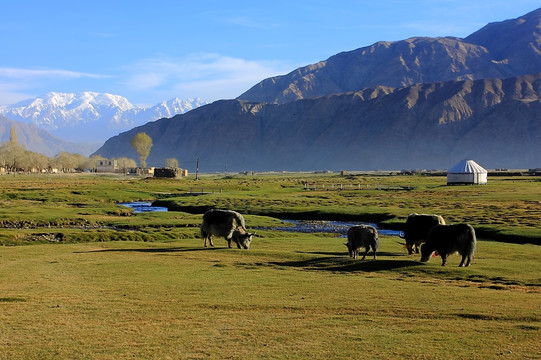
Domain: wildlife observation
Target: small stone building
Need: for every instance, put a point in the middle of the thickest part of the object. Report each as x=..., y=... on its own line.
x=170, y=173
x=107, y=166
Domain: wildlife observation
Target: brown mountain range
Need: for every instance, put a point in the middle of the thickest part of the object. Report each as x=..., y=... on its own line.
x=497, y=122
x=353, y=111
x=498, y=50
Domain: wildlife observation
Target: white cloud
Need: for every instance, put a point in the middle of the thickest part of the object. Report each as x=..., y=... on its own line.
x=15, y=73
x=18, y=84
x=207, y=75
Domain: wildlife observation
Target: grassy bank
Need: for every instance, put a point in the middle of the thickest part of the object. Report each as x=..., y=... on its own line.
x=506, y=209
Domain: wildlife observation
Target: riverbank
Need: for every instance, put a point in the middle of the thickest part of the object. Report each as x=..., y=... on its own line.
x=83, y=208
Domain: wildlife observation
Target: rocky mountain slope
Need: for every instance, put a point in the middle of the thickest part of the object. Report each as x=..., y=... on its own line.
x=91, y=116
x=498, y=50
x=495, y=121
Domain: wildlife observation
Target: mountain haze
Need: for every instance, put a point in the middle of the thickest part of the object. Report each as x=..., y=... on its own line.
x=41, y=141
x=417, y=103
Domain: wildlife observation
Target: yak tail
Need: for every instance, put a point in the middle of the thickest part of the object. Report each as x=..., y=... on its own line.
x=472, y=243
x=468, y=241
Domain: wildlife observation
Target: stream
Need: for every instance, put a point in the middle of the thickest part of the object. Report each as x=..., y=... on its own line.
x=305, y=226
x=143, y=206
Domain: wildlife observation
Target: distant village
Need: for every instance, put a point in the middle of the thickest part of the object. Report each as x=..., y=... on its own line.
x=14, y=158
x=114, y=166
x=101, y=165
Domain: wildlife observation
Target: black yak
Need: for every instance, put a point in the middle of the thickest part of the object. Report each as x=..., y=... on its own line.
x=449, y=239
x=417, y=228
x=362, y=236
x=227, y=223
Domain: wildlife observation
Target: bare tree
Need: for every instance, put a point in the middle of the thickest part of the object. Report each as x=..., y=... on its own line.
x=171, y=163
x=15, y=158
x=67, y=162
x=142, y=144
x=12, y=156
x=13, y=135
x=126, y=163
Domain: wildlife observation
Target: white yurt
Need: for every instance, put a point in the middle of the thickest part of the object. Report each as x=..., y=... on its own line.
x=467, y=172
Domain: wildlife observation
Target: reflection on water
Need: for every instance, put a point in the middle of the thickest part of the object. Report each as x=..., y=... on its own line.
x=143, y=206
x=341, y=227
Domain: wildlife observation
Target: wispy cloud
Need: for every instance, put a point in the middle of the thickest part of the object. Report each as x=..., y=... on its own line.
x=15, y=73
x=208, y=75
x=18, y=84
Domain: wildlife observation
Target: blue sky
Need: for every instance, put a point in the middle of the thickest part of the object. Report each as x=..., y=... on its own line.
x=150, y=51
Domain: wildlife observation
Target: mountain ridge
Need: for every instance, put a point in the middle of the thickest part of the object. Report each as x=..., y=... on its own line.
x=91, y=116
x=415, y=60
x=307, y=134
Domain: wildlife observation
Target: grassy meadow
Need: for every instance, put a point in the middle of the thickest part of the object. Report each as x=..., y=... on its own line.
x=82, y=277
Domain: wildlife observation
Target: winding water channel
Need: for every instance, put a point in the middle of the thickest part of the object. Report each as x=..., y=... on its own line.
x=143, y=206
x=305, y=226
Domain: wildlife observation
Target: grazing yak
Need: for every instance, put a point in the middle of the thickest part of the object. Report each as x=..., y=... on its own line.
x=362, y=236
x=227, y=223
x=449, y=239
x=417, y=228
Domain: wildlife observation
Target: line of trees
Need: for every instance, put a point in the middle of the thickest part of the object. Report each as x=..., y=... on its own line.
x=15, y=158
x=18, y=159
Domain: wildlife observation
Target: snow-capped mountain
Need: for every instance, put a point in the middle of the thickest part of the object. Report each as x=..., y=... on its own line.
x=91, y=116
x=173, y=107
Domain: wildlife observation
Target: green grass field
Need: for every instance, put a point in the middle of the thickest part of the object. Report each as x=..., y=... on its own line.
x=99, y=282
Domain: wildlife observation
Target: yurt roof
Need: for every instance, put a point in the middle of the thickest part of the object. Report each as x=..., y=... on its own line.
x=467, y=167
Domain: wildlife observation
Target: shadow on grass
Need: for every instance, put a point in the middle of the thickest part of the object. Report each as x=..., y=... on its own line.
x=331, y=261
x=345, y=253
x=343, y=264
x=155, y=250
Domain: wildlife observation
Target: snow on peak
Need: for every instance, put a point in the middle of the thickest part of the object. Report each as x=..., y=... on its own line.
x=90, y=115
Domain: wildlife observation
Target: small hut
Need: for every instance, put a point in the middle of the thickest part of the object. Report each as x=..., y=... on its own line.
x=467, y=172
x=172, y=173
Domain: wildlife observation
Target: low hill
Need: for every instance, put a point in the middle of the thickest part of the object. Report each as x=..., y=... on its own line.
x=41, y=141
